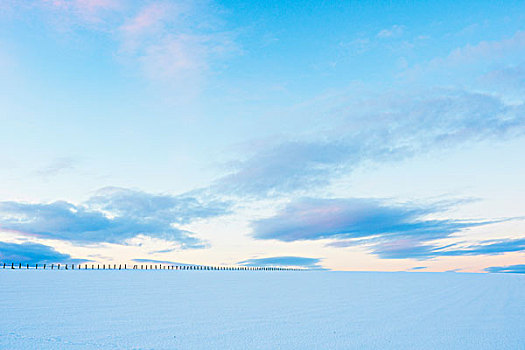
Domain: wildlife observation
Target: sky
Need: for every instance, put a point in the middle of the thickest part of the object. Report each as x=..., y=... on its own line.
x=358, y=136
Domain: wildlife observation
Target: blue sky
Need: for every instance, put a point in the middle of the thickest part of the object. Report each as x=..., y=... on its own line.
x=349, y=135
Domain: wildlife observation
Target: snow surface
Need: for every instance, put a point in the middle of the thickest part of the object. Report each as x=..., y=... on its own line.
x=260, y=310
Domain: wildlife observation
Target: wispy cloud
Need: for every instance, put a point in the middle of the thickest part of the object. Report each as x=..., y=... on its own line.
x=113, y=215
x=277, y=261
x=33, y=253
x=182, y=209
x=390, y=231
x=57, y=166
x=177, y=43
x=381, y=129
x=286, y=167
x=506, y=269
x=313, y=219
x=508, y=81
x=413, y=249
x=420, y=114
x=393, y=32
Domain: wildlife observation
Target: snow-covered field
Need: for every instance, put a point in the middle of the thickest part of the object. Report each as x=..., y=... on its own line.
x=260, y=310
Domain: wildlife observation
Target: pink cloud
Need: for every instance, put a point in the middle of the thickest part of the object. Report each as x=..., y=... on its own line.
x=173, y=43
x=148, y=18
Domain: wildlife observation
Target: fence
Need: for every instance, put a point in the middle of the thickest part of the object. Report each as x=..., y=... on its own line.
x=19, y=266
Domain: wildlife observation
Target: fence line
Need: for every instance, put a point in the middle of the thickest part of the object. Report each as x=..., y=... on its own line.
x=19, y=266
